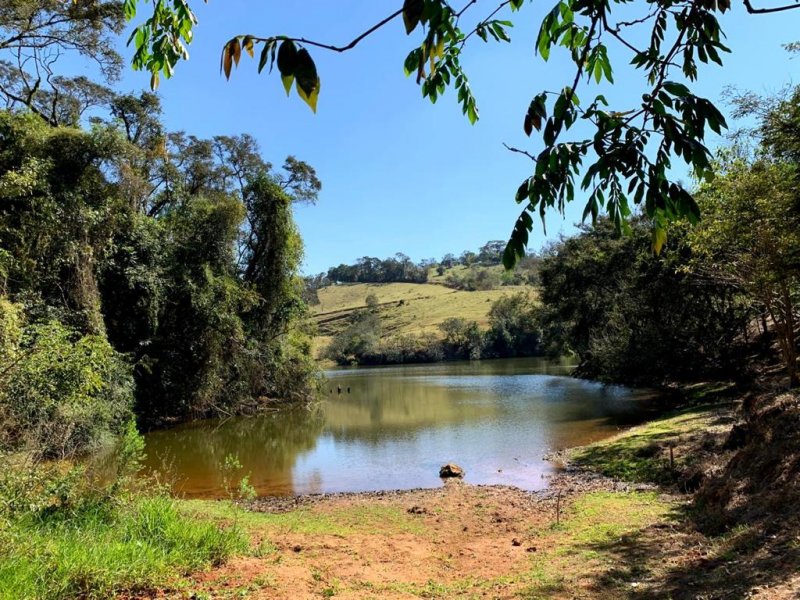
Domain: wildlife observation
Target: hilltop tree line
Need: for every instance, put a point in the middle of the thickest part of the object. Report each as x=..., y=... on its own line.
x=480, y=271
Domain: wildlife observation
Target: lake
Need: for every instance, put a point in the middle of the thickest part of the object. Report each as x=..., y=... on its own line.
x=393, y=427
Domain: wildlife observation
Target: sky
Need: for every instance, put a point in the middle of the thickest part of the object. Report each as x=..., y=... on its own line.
x=398, y=173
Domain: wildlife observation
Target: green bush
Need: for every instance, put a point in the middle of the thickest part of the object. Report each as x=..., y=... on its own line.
x=514, y=328
x=61, y=394
x=632, y=317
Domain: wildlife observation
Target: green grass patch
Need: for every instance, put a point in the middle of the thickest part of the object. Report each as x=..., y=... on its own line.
x=364, y=518
x=103, y=550
x=581, y=546
x=642, y=453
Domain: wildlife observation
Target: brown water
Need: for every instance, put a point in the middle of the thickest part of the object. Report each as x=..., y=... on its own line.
x=397, y=425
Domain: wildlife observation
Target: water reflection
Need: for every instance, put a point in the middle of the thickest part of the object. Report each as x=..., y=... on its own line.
x=267, y=446
x=397, y=425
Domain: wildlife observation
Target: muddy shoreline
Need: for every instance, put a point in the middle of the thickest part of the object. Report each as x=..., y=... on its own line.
x=569, y=481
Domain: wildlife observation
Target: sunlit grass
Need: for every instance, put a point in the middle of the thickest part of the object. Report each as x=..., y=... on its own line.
x=409, y=308
x=102, y=551
x=356, y=519
x=641, y=454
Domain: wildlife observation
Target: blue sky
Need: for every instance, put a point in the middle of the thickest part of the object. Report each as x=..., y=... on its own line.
x=400, y=174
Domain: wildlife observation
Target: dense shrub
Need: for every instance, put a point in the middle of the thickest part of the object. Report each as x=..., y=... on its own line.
x=358, y=339
x=462, y=339
x=474, y=278
x=61, y=394
x=422, y=348
x=514, y=326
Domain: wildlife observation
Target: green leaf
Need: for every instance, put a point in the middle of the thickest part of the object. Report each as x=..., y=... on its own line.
x=515, y=248
x=676, y=89
x=264, y=58
x=287, y=80
x=659, y=238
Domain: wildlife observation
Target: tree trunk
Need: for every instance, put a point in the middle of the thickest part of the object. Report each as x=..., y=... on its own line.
x=783, y=319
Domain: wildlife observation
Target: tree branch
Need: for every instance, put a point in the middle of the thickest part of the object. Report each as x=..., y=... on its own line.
x=346, y=47
x=763, y=11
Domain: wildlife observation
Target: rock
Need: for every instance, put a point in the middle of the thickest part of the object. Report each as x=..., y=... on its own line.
x=297, y=548
x=516, y=542
x=451, y=470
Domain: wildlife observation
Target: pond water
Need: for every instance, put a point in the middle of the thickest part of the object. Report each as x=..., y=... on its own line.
x=397, y=425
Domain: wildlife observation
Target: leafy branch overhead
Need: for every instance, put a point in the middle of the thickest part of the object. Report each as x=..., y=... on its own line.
x=629, y=156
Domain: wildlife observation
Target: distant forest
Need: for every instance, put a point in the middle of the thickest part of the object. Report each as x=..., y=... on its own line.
x=476, y=272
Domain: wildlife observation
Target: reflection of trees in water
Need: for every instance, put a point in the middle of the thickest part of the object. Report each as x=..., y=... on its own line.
x=385, y=405
x=267, y=447
x=495, y=404
x=380, y=407
x=581, y=400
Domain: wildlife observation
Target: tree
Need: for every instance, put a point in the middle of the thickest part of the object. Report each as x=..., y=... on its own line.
x=462, y=338
x=491, y=252
x=750, y=238
x=628, y=158
x=633, y=317
x=514, y=325
x=361, y=337
x=372, y=303
x=34, y=34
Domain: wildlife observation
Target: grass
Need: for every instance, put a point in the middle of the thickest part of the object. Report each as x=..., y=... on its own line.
x=642, y=453
x=580, y=550
x=405, y=308
x=103, y=550
x=362, y=518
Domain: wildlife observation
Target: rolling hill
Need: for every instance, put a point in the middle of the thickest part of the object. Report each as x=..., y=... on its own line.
x=405, y=308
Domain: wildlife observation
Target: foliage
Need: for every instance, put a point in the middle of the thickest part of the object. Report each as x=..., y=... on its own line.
x=102, y=551
x=630, y=316
x=374, y=270
x=61, y=394
x=372, y=302
x=473, y=278
x=83, y=529
x=462, y=338
x=749, y=238
x=627, y=160
x=401, y=349
x=514, y=331
x=514, y=326
x=34, y=34
x=359, y=338
x=182, y=252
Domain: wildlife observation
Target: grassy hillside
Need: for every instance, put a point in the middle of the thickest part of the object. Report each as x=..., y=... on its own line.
x=405, y=308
